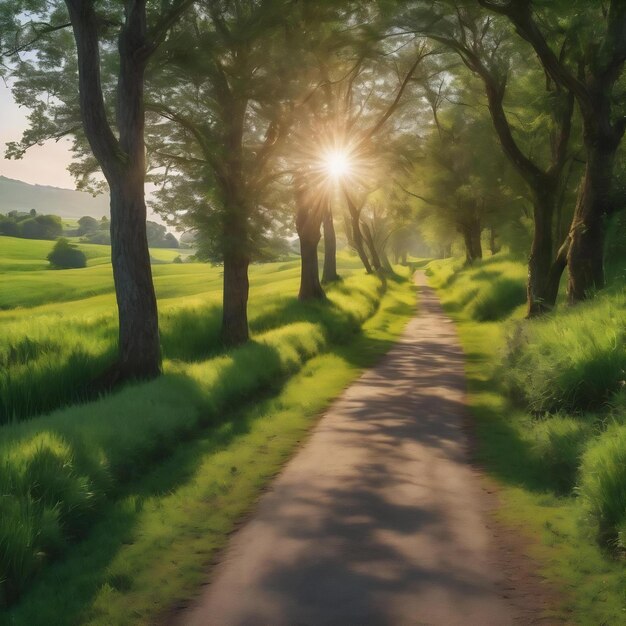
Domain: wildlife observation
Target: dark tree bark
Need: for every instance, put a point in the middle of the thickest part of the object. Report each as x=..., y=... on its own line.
x=123, y=164
x=494, y=245
x=371, y=246
x=309, y=216
x=235, y=299
x=356, y=234
x=586, y=250
x=471, y=230
x=329, y=273
x=234, y=331
x=593, y=90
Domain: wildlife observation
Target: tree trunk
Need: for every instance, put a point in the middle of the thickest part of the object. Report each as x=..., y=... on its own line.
x=308, y=224
x=139, y=347
x=471, y=231
x=541, y=251
x=329, y=273
x=369, y=240
x=123, y=164
x=494, y=246
x=235, y=299
x=234, y=331
x=476, y=239
x=586, y=251
x=357, y=238
x=356, y=234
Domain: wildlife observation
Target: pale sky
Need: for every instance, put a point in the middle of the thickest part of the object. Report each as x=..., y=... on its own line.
x=41, y=165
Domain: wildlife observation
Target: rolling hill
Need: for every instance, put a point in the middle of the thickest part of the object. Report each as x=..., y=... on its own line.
x=67, y=203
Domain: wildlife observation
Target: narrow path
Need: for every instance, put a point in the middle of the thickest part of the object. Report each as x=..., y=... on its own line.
x=379, y=519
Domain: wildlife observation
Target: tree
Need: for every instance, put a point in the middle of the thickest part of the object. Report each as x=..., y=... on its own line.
x=128, y=36
x=225, y=104
x=87, y=224
x=66, y=255
x=596, y=33
x=484, y=46
x=41, y=227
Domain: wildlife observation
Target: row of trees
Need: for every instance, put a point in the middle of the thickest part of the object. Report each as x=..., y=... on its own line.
x=30, y=225
x=233, y=107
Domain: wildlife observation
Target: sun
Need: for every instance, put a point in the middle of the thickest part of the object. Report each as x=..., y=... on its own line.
x=337, y=163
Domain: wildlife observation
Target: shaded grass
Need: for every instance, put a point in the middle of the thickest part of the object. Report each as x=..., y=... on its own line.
x=543, y=461
x=152, y=546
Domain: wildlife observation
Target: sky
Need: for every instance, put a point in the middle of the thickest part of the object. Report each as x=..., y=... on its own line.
x=41, y=165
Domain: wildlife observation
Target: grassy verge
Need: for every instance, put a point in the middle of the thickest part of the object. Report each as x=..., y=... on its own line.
x=548, y=415
x=152, y=545
x=49, y=354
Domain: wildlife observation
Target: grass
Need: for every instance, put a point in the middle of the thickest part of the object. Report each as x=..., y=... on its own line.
x=573, y=361
x=171, y=502
x=56, y=348
x=63, y=469
x=559, y=468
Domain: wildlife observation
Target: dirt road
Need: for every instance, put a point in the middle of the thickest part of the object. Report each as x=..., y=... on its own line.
x=379, y=519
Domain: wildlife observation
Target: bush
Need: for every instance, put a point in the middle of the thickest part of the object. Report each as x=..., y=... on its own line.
x=603, y=485
x=101, y=237
x=66, y=255
x=87, y=224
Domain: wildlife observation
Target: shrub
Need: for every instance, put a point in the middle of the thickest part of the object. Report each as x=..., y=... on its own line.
x=66, y=255
x=603, y=485
x=101, y=237
x=87, y=224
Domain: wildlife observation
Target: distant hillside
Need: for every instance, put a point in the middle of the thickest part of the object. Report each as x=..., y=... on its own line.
x=20, y=196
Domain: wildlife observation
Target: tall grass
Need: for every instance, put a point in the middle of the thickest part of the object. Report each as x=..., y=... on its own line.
x=488, y=290
x=58, y=468
x=573, y=361
x=149, y=548
x=603, y=485
x=49, y=357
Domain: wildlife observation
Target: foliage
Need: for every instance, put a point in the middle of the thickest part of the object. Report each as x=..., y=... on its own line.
x=87, y=225
x=66, y=255
x=30, y=226
x=158, y=237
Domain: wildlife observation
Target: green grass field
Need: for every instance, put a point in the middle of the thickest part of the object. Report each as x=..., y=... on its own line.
x=111, y=497
x=550, y=415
